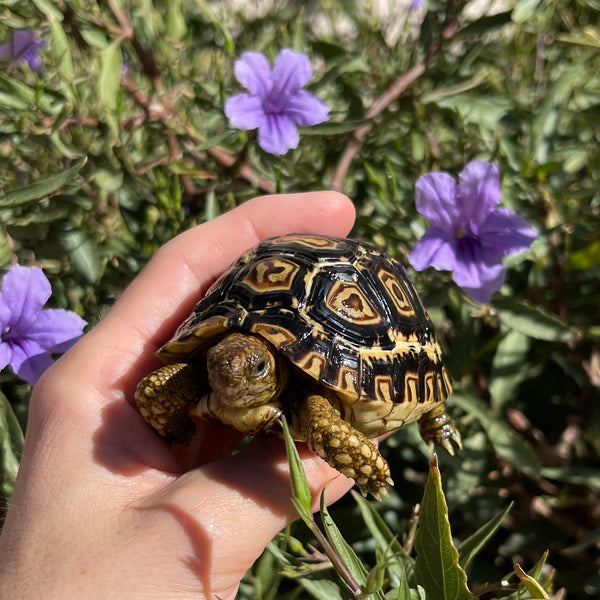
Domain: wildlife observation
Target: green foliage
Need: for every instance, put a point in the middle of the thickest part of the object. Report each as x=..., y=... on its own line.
x=120, y=142
x=436, y=572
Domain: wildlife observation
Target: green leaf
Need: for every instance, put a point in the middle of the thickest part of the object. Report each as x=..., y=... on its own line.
x=437, y=568
x=49, y=9
x=505, y=441
x=533, y=321
x=525, y=10
x=175, y=21
x=107, y=180
x=61, y=47
x=300, y=487
x=537, y=569
x=573, y=475
x=41, y=189
x=322, y=589
x=215, y=140
x=534, y=588
x=16, y=94
x=265, y=575
x=218, y=24
x=398, y=561
x=11, y=446
x=84, y=256
x=403, y=588
x=342, y=549
x=483, y=111
x=470, y=547
x=332, y=128
x=111, y=63
x=586, y=257
x=507, y=367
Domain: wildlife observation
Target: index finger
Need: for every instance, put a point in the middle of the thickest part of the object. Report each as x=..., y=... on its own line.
x=119, y=350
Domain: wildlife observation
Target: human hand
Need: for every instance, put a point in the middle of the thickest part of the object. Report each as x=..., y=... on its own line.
x=102, y=507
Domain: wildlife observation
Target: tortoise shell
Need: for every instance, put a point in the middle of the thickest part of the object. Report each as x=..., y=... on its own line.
x=340, y=310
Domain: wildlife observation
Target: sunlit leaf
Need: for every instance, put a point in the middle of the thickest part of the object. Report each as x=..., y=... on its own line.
x=533, y=321
x=437, y=568
x=507, y=367
x=111, y=63
x=534, y=588
x=41, y=189
x=83, y=254
x=62, y=49
x=300, y=487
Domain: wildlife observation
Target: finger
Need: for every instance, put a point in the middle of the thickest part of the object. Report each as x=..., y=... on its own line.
x=175, y=279
x=238, y=503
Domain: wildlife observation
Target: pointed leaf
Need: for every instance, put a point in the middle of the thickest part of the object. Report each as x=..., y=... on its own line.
x=437, y=568
x=341, y=546
x=534, y=588
x=469, y=548
x=300, y=487
x=40, y=189
x=533, y=321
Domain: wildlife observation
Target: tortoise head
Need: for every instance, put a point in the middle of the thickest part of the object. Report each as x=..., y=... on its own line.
x=244, y=370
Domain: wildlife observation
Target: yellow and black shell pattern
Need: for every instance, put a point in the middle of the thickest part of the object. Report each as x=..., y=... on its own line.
x=342, y=311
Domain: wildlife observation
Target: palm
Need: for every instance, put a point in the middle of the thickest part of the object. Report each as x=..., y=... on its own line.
x=116, y=512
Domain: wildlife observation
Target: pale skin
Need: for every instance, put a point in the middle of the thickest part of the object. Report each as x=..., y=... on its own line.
x=103, y=508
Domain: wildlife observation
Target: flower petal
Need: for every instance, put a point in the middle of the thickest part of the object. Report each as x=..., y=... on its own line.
x=29, y=360
x=435, y=196
x=5, y=354
x=306, y=109
x=478, y=271
x=5, y=314
x=291, y=72
x=277, y=134
x=245, y=111
x=25, y=290
x=56, y=329
x=435, y=249
x=24, y=46
x=478, y=191
x=32, y=368
x=506, y=232
x=253, y=71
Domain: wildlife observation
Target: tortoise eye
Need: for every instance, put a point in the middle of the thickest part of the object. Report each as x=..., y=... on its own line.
x=260, y=368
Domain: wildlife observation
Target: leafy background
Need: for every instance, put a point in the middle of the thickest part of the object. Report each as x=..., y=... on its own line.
x=120, y=142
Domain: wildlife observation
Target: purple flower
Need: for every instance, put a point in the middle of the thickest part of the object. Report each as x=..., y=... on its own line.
x=24, y=46
x=276, y=103
x=29, y=333
x=468, y=235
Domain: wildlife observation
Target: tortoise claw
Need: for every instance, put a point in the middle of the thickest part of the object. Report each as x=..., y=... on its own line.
x=437, y=428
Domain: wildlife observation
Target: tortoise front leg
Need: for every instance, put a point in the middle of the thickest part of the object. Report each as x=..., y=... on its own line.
x=342, y=446
x=164, y=398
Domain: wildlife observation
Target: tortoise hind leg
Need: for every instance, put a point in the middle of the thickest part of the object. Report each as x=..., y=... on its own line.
x=164, y=398
x=343, y=447
x=436, y=427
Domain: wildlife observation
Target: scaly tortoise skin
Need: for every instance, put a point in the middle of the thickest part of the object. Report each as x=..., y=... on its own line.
x=329, y=332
